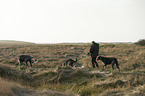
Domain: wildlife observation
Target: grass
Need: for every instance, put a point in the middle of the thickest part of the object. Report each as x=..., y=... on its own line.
x=6, y=88
x=11, y=88
x=46, y=77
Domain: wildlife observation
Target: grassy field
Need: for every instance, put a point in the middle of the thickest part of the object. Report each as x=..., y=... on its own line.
x=47, y=78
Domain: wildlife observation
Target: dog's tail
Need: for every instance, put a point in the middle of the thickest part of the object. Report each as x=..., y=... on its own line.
x=117, y=65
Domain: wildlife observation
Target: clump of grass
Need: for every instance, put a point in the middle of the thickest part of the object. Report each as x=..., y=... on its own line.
x=140, y=91
x=9, y=88
x=113, y=92
x=91, y=91
x=5, y=89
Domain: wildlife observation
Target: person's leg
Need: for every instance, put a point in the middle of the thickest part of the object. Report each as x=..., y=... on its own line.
x=96, y=61
x=93, y=61
x=96, y=64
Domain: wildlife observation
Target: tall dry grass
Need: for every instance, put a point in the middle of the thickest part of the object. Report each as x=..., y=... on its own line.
x=6, y=88
x=47, y=73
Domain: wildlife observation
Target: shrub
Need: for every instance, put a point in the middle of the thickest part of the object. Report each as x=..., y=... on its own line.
x=141, y=42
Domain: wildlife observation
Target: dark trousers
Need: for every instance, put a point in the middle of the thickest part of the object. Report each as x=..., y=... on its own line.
x=94, y=62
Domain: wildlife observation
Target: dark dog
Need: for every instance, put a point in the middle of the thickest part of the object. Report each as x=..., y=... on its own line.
x=69, y=62
x=108, y=61
x=25, y=59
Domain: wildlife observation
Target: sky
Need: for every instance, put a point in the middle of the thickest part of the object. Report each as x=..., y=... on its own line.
x=59, y=21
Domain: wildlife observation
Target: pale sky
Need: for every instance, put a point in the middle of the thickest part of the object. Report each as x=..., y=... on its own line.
x=57, y=21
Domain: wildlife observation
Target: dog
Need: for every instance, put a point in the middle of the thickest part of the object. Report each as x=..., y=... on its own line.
x=25, y=59
x=109, y=61
x=69, y=62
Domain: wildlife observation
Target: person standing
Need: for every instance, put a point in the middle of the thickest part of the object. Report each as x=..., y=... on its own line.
x=94, y=50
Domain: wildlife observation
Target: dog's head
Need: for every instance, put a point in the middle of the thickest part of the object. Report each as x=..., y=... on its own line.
x=98, y=58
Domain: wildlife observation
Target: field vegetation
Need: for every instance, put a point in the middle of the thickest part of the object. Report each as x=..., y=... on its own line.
x=48, y=78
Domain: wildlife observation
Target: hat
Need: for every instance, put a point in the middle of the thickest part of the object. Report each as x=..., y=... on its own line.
x=93, y=42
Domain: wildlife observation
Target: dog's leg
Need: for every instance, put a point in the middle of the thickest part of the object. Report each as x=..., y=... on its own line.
x=112, y=64
x=66, y=64
x=104, y=67
x=30, y=63
x=62, y=64
x=112, y=67
x=19, y=65
x=26, y=63
x=71, y=64
x=117, y=66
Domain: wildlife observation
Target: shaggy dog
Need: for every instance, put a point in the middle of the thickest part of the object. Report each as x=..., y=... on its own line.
x=25, y=59
x=69, y=62
x=109, y=61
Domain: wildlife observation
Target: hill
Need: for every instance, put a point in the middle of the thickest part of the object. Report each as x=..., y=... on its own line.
x=14, y=42
x=48, y=78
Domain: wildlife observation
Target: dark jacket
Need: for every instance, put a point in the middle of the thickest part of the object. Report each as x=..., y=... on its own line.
x=94, y=50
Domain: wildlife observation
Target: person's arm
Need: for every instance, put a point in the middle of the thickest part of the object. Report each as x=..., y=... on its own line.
x=91, y=49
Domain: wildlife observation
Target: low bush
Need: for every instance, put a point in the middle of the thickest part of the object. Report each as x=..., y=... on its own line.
x=141, y=42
